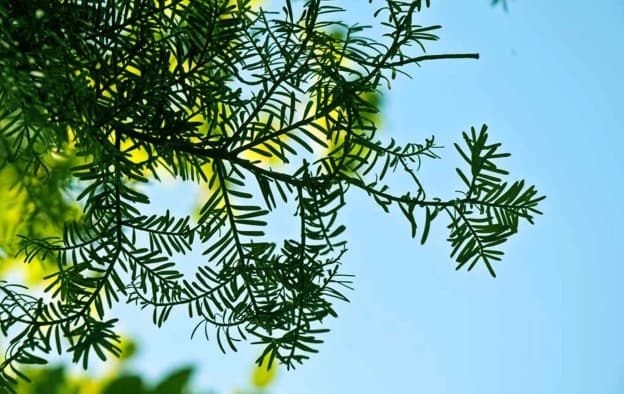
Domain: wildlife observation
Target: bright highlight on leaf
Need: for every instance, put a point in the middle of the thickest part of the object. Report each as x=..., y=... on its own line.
x=263, y=375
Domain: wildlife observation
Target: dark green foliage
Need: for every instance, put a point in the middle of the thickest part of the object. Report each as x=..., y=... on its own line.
x=173, y=383
x=57, y=380
x=261, y=109
x=125, y=384
x=48, y=381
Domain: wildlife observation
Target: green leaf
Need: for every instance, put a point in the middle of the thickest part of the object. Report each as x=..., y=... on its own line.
x=175, y=383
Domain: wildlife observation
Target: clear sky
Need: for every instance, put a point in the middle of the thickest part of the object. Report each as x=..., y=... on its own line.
x=549, y=84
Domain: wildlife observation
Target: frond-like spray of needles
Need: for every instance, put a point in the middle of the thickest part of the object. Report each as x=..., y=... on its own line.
x=258, y=108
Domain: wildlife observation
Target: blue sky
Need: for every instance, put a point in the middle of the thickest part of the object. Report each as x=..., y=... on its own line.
x=549, y=86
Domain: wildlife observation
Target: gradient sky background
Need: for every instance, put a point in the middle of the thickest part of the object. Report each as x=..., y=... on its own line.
x=549, y=86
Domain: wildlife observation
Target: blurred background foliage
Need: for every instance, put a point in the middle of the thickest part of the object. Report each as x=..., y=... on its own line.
x=120, y=379
x=33, y=204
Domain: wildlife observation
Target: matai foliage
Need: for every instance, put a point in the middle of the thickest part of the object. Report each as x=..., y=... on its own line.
x=263, y=110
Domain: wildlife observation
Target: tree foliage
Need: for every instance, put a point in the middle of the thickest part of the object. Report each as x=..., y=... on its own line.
x=118, y=378
x=265, y=111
